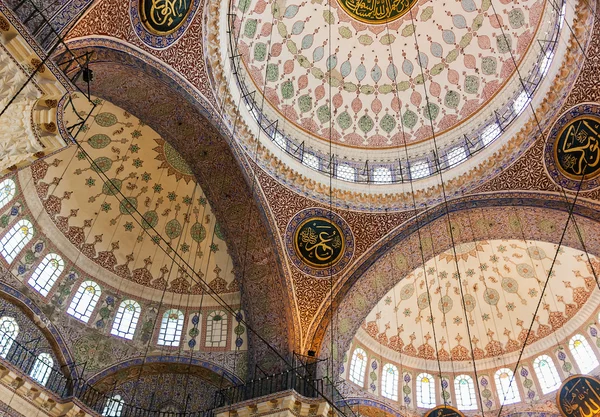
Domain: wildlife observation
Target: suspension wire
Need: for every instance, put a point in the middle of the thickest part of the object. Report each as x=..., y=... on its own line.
x=416, y=213
x=447, y=211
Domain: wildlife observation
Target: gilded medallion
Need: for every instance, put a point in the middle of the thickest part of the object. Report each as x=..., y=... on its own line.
x=579, y=396
x=163, y=17
x=572, y=150
x=444, y=411
x=319, y=242
x=376, y=11
x=577, y=148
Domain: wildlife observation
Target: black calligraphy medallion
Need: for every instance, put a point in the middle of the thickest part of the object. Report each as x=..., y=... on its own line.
x=572, y=150
x=376, y=11
x=164, y=16
x=444, y=411
x=577, y=148
x=579, y=396
x=319, y=242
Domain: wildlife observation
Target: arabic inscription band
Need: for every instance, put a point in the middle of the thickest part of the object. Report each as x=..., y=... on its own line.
x=376, y=11
x=163, y=17
x=579, y=396
x=577, y=148
x=319, y=242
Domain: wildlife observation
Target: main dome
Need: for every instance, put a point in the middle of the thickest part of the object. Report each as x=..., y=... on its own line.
x=325, y=74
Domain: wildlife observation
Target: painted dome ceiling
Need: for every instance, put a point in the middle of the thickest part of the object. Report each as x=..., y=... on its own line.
x=502, y=283
x=137, y=212
x=316, y=60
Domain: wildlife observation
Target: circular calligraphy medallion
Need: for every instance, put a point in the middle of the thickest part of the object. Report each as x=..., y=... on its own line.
x=579, y=395
x=444, y=411
x=319, y=242
x=572, y=152
x=160, y=23
x=376, y=11
x=164, y=16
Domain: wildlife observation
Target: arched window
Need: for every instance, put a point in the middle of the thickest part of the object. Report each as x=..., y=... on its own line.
x=583, y=354
x=7, y=191
x=170, y=328
x=506, y=385
x=114, y=406
x=126, y=319
x=389, y=382
x=425, y=391
x=84, y=301
x=42, y=367
x=546, y=373
x=46, y=273
x=216, y=329
x=9, y=329
x=13, y=242
x=465, y=392
x=358, y=365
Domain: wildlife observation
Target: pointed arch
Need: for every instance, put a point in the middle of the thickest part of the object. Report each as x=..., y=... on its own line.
x=13, y=242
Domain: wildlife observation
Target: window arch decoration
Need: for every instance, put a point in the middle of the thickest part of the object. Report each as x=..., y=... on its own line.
x=582, y=352
x=113, y=407
x=506, y=385
x=42, y=368
x=216, y=329
x=358, y=366
x=171, y=327
x=8, y=188
x=126, y=319
x=425, y=390
x=464, y=389
x=546, y=373
x=389, y=382
x=9, y=329
x=85, y=299
x=46, y=273
x=13, y=242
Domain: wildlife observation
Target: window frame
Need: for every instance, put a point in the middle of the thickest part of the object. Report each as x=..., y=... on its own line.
x=511, y=387
x=174, y=332
x=11, y=254
x=42, y=368
x=431, y=390
x=73, y=311
x=458, y=393
x=588, y=355
x=390, y=381
x=358, y=377
x=542, y=375
x=8, y=190
x=209, y=339
x=133, y=321
x=6, y=339
x=41, y=280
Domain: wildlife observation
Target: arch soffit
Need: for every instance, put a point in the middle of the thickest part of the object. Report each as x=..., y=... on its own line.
x=162, y=99
x=520, y=215
x=39, y=318
x=161, y=364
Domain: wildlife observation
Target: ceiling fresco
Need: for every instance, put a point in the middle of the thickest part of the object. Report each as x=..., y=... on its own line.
x=142, y=172
x=466, y=54
x=502, y=281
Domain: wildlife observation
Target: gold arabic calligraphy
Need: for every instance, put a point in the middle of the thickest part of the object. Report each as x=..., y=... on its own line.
x=578, y=148
x=579, y=397
x=377, y=11
x=164, y=16
x=319, y=242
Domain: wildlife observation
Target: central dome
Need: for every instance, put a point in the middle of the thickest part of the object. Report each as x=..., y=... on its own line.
x=325, y=73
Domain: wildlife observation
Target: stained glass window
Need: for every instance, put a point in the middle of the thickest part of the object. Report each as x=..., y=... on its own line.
x=7, y=191
x=506, y=384
x=170, y=328
x=9, y=329
x=546, y=373
x=425, y=390
x=84, y=301
x=46, y=273
x=464, y=389
x=42, y=367
x=358, y=366
x=583, y=354
x=389, y=382
x=13, y=242
x=216, y=329
x=126, y=319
